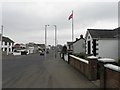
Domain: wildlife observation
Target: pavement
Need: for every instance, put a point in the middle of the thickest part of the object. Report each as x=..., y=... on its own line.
x=35, y=71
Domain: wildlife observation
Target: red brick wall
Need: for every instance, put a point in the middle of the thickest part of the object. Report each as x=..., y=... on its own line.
x=80, y=66
x=112, y=78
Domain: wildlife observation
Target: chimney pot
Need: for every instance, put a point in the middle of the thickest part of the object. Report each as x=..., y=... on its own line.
x=76, y=39
x=81, y=36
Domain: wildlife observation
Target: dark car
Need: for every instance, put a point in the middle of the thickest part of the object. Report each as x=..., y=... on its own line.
x=47, y=51
x=24, y=53
x=41, y=52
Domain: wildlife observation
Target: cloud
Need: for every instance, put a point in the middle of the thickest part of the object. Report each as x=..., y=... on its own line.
x=24, y=21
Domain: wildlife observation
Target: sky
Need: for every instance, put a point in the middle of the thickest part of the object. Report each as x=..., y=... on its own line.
x=24, y=21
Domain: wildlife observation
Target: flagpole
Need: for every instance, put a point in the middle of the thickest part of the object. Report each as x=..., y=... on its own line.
x=72, y=27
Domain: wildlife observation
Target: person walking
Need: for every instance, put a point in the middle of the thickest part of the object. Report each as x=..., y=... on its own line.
x=64, y=51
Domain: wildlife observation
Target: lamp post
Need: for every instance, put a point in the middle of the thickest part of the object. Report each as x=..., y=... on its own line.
x=45, y=38
x=55, y=40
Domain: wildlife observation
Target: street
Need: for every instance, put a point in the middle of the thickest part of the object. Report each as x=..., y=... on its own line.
x=35, y=71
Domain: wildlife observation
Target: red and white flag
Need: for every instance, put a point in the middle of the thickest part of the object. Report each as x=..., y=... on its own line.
x=71, y=16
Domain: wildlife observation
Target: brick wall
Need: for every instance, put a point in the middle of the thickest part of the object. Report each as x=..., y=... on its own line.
x=88, y=69
x=80, y=66
x=112, y=78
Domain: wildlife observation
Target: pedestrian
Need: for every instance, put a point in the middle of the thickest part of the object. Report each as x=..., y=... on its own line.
x=64, y=51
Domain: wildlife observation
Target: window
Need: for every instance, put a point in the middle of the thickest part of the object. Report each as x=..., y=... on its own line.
x=9, y=49
x=89, y=47
x=5, y=43
x=94, y=47
x=5, y=49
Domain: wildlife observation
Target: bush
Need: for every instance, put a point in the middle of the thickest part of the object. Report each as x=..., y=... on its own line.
x=81, y=55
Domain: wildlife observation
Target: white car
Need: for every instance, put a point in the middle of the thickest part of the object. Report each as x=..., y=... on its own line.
x=20, y=52
x=16, y=53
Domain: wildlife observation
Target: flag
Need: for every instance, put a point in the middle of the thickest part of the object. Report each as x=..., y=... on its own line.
x=71, y=16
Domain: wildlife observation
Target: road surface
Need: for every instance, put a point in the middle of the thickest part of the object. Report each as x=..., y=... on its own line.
x=35, y=71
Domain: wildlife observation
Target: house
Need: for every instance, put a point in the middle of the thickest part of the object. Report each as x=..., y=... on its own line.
x=69, y=45
x=32, y=47
x=7, y=45
x=79, y=45
x=19, y=46
x=102, y=43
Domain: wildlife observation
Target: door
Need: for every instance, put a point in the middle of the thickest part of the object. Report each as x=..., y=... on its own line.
x=89, y=47
x=94, y=47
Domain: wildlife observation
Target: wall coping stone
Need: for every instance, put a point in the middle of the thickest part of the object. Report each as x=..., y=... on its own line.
x=80, y=59
x=113, y=67
x=92, y=57
x=106, y=60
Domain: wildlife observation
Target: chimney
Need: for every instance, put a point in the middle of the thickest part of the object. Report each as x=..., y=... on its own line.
x=81, y=36
x=76, y=39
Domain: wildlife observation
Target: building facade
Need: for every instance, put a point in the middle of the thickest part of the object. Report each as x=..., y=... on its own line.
x=79, y=45
x=32, y=47
x=7, y=45
x=102, y=43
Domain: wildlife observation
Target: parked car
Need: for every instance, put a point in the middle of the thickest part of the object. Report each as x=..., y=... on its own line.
x=20, y=52
x=24, y=53
x=16, y=53
x=47, y=51
x=41, y=52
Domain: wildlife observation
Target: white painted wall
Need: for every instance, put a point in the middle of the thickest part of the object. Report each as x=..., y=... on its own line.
x=108, y=49
x=30, y=50
x=7, y=46
x=79, y=46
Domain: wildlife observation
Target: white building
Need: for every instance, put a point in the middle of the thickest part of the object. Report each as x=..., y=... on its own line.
x=102, y=43
x=32, y=47
x=7, y=45
x=79, y=45
x=30, y=50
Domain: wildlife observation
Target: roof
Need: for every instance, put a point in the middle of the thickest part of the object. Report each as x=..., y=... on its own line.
x=78, y=40
x=103, y=33
x=6, y=39
x=69, y=43
x=41, y=45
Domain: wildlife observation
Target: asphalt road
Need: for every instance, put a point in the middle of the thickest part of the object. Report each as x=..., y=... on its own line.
x=35, y=71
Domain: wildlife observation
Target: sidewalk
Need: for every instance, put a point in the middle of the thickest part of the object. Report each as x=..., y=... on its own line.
x=96, y=83
x=67, y=76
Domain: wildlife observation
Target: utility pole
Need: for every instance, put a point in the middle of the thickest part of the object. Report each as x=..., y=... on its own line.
x=55, y=40
x=45, y=38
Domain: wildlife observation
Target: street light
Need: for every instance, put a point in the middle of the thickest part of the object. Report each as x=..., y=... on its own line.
x=45, y=38
x=55, y=40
